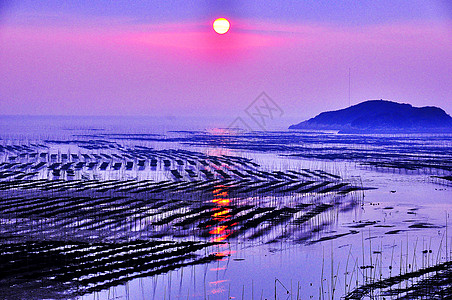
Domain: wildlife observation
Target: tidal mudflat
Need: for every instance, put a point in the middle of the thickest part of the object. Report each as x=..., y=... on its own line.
x=216, y=214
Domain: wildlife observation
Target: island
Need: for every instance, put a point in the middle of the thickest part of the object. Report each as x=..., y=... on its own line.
x=381, y=116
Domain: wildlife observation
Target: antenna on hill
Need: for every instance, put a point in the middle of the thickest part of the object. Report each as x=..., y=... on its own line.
x=349, y=85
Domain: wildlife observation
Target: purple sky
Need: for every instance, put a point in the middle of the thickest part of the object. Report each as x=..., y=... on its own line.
x=163, y=58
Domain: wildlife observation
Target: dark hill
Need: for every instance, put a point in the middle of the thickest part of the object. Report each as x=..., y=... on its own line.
x=381, y=116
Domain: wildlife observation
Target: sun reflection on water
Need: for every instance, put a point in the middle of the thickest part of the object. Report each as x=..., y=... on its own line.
x=221, y=214
x=220, y=232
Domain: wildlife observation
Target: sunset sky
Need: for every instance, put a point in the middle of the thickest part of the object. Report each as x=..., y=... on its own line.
x=163, y=58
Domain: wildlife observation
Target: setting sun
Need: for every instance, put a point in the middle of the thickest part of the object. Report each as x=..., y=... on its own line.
x=221, y=25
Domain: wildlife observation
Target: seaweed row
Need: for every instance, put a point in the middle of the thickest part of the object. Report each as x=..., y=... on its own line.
x=433, y=282
x=177, y=209
x=407, y=152
x=237, y=187
x=175, y=164
x=68, y=269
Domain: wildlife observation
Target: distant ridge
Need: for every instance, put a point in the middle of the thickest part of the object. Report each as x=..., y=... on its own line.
x=381, y=116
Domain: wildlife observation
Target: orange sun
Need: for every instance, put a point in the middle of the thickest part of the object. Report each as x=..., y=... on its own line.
x=221, y=25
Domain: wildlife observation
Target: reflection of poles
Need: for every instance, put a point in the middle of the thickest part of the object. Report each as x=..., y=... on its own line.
x=277, y=280
x=447, y=251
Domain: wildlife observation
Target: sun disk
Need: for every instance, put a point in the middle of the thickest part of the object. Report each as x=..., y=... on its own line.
x=221, y=25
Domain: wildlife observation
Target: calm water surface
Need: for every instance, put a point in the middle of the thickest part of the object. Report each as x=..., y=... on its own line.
x=323, y=259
